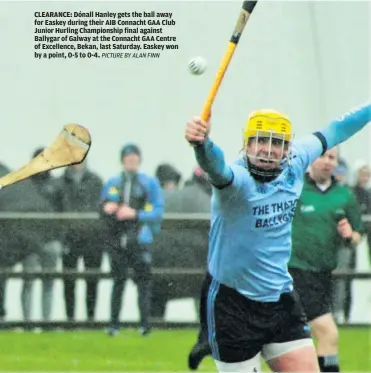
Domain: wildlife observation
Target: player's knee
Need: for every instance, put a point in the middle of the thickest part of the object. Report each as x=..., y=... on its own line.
x=331, y=337
x=326, y=332
x=252, y=365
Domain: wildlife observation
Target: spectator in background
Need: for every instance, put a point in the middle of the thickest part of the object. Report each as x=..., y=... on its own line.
x=194, y=197
x=81, y=190
x=185, y=247
x=169, y=179
x=363, y=195
x=47, y=189
x=327, y=217
x=200, y=182
x=347, y=256
x=131, y=203
x=3, y=171
x=200, y=186
x=341, y=172
x=26, y=245
x=168, y=176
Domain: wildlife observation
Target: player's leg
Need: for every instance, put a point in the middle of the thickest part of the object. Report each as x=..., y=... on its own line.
x=325, y=331
x=291, y=348
x=201, y=349
x=252, y=365
x=294, y=356
x=315, y=290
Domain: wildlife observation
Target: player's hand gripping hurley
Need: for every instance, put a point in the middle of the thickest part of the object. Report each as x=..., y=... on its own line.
x=70, y=147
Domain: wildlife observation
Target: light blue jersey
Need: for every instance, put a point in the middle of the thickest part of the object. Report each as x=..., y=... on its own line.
x=250, y=235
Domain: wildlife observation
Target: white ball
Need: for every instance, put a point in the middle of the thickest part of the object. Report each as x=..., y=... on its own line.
x=197, y=65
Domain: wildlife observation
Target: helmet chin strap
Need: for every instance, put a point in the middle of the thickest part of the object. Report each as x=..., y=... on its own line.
x=261, y=174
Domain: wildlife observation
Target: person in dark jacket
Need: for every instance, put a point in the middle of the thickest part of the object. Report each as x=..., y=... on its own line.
x=347, y=257
x=18, y=245
x=132, y=203
x=200, y=181
x=46, y=187
x=363, y=195
x=183, y=247
x=80, y=193
x=168, y=176
x=3, y=171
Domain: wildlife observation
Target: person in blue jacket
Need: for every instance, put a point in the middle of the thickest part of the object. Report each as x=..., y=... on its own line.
x=132, y=208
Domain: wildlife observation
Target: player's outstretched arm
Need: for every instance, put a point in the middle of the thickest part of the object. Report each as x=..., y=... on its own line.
x=338, y=131
x=341, y=129
x=209, y=156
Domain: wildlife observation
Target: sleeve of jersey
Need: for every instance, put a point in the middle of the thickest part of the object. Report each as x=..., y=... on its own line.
x=338, y=131
x=341, y=129
x=306, y=150
x=211, y=159
x=155, y=202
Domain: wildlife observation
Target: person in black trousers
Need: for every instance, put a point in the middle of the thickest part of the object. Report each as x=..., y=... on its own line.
x=132, y=209
x=81, y=190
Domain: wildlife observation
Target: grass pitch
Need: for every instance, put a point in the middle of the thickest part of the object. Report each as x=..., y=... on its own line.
x=162, y=351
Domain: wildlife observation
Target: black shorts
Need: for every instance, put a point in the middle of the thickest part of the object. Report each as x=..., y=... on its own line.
x=315, y=291
x=237, y=327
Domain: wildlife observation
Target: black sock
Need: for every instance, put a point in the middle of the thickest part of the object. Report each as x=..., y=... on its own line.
x=329, y=363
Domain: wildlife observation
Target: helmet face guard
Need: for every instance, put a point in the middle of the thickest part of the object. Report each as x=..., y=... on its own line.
x=272, y=129
x=271, y=140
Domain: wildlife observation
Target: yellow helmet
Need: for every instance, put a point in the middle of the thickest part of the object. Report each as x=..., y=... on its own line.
x=268, y=123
